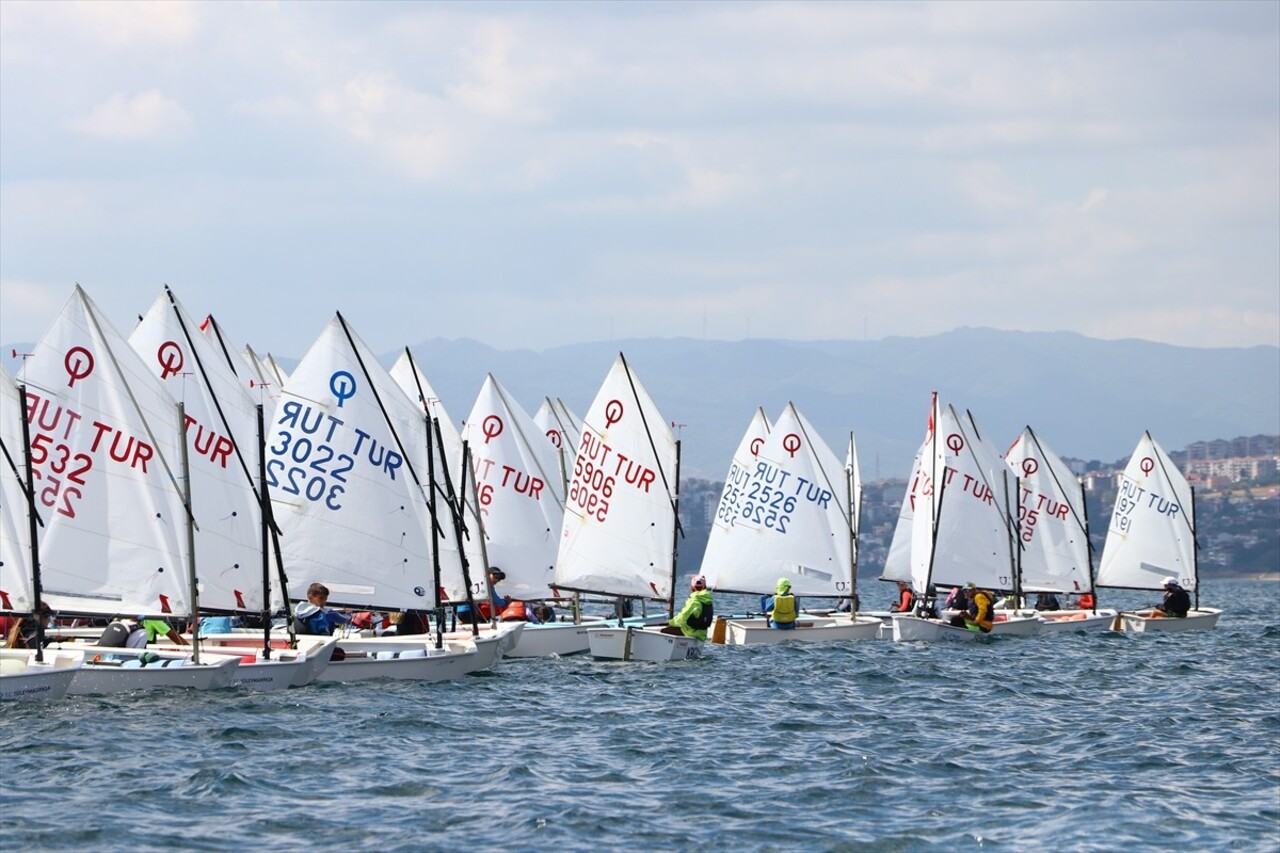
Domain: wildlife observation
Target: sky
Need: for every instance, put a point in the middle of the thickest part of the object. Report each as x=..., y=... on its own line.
x=532, y=175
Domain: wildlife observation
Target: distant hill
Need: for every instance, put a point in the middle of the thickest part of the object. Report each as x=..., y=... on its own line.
x=1088, y=398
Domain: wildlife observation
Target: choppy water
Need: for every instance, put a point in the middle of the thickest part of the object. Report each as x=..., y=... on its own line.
x=1072, y=742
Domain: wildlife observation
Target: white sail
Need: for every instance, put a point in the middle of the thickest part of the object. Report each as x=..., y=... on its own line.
x=1152, y=532
x=793, y=522
x=274, y=370
x=733, y=497
x=413, y=382
x=517, y=474
x=104, y=439
x=922, y=527
x=855, y=496
x=562, y=430
x=898, y=563
x=1051, y=519
x=222, y=437
x=974, y=541
x=16, y=588
x=619, y=521
x=343, y=459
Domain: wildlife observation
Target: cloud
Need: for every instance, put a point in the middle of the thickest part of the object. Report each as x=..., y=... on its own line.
x=29, y=307
x=149, y=115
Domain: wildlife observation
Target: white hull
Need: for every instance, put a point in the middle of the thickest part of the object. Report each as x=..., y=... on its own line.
x=312, y=655
x=255, y=672
x=416, y=664
x=23, y=679
x=909, y=629
x=559, y=638
x=1015, y=625
x=752, y=632
x=1007, y=623
x=1072, y=621
x=1197, y=620
x=114, y=671
x=486, y=645
x=643, y=644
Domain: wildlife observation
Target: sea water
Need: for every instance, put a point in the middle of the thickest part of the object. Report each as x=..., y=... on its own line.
x=1094, y=741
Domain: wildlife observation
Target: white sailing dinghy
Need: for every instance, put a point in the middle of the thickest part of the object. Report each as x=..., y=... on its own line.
x=460, y=515
x=354, y=509
x=521, y=499
x=1053, y=532
x=785, y=513
x=964, y=527
x=105, y=448
x=1152, y=537
x=30, y=675
x=231, y=543
x=563, y=429
x=620, y=517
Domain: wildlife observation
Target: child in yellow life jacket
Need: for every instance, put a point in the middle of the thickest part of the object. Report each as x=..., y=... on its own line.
x=696, y=616
x=781, y=607
x=981, y=616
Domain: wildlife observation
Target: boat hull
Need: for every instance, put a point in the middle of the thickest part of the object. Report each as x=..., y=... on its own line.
x=754, y=632
x=1201, y=619
x=913, y=629
x=560, y=638
x=112, y=672
x=1014, y=625
x=409, y=664
x=24, y=679
x=313, y=653
x=641, y=644
x=1074, y=621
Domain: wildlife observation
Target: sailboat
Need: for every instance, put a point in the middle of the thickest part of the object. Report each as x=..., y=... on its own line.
x=1152, y=537
x=964, y=526
x=31, y=675
x=785, y=513
x=1053, y=533
x=563, y=429
x=620, y=519
x=231, y=545
x=521, y=499
x=106, y=443
x=464, y=579
x=354, y=504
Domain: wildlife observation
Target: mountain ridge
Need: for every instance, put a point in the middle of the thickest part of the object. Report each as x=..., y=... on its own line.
x=1088, y=398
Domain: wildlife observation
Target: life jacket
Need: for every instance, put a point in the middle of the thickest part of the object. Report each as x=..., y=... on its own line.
x=115, y=635
x=1086, y=601
x=310, y=619
x=981, y=609
x=906, y=601
x=702, y=620
x=784, y=609
x=515, y=612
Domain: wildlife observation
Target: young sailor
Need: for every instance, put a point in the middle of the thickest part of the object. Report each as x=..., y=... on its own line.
x=906, y=599
x=695, y=617
x=781, y=608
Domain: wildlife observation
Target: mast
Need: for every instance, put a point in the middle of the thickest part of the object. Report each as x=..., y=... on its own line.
x=264, y=537
x=185, y=462
x=853, y=484
x=1195, y=546
x=675, y=536
x=435, y=530
x=459, y=532
x=33, y=521
x=1088, y=541
x=1013, y=530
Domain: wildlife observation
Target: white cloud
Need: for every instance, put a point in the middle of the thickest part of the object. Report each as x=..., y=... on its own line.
x=149, y=115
